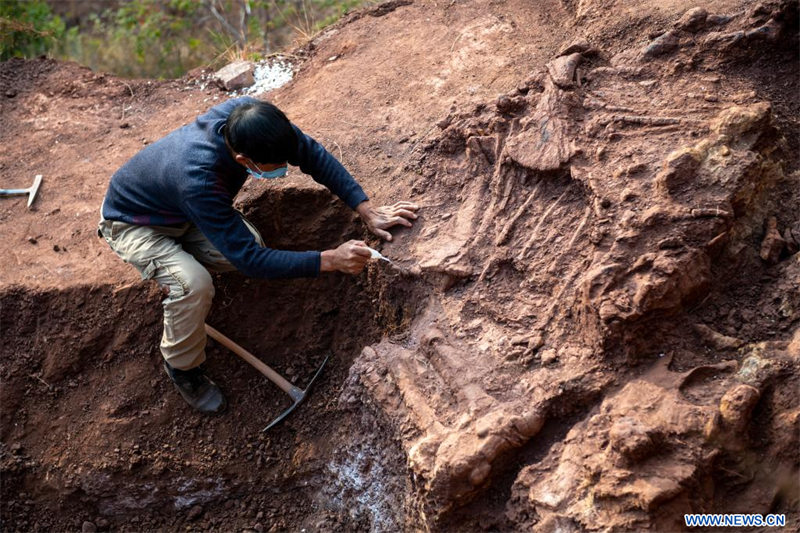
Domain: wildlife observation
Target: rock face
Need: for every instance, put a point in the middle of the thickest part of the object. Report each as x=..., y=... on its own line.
x=596, y=207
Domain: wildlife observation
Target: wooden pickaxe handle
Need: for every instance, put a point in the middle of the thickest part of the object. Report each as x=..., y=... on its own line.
x=273, y=376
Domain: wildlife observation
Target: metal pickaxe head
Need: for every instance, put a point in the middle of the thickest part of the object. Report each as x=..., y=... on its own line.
x=30, y=191
x=298, y=395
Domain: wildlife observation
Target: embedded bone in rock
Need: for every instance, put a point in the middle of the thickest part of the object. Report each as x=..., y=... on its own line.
x=634, y=461
x=544, y=142
x=555, y=261
x=714, y=183
x=562, y=69
x=458, y=411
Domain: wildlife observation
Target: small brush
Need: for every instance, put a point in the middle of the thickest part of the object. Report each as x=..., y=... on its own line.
x=377, y=255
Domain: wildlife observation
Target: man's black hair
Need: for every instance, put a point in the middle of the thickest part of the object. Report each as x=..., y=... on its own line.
x=261, y=131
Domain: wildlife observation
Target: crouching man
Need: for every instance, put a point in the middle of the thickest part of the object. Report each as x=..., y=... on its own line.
x=169, y=212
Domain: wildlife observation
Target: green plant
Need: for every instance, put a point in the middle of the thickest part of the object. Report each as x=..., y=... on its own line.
x=141, y=38
x=164, y=38
x=27, y=28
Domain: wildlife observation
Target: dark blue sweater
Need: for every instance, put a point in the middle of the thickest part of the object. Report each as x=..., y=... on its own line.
x=190, y=175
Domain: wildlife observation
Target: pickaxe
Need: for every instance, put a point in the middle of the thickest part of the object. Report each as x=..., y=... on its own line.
x=296, y=394
x=30, y=191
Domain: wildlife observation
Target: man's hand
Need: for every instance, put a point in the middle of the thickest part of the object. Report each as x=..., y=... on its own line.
x=379, y=219
x=350, y=258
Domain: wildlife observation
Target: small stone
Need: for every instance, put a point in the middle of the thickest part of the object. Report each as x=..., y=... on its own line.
x=796, y=231
x=755, y=370
x=679, y=170
x=562, y=70
x=693, y=20
x=519, y=340
x=235, y=75
x=32, y=240
x=125, y=125
x=101, y=523
x=579, y=46
x=737, y=404
x=664, y=44
x=479, y=474
x=792, y=244
x=11, y=93
x=628, y=194
x=548, y=356
x=632, y=439
x=195, y=512
x=196, y=72
x=88, y=527
x=773, y=243
x=507, y=104
x=601, y=153
x=56, y=248
x=536, y=341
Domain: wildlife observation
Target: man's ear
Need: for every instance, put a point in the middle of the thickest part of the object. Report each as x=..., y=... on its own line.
x=239, y=158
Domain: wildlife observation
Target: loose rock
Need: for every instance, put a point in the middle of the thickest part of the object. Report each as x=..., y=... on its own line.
x=737, y=404
x=693, y=20
x=665, y=44
x=773, y=243
x=235, y=75
x=579, y=46
x=195, y=512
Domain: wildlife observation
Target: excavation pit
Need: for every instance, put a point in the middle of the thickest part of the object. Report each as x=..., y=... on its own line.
x=82, y=366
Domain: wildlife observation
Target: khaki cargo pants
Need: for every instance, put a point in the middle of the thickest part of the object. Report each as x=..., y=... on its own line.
x=179, y=258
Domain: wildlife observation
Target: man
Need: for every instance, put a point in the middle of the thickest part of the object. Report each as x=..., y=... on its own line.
x=169, y=212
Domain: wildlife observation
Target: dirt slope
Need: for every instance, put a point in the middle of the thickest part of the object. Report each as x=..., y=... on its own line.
x=595, y=324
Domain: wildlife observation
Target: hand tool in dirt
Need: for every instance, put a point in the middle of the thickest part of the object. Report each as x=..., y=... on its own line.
x=377, y=255
x=30, y=191
x=296, y=394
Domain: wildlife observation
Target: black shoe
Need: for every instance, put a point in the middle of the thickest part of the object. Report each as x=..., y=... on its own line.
x=198, y=391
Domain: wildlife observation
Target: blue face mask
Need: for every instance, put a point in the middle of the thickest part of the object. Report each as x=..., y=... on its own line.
x=272, y=174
